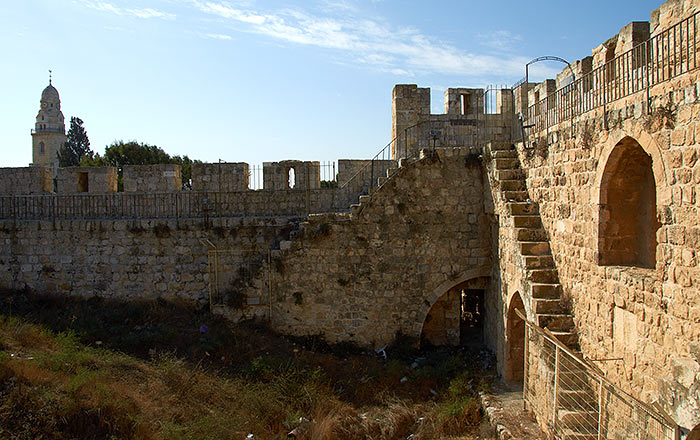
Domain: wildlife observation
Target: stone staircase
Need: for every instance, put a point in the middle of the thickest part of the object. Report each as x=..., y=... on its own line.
x=536, y=256
x=575, y=420
x=312, y=222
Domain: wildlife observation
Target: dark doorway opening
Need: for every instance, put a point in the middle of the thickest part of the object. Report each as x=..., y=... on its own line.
x=83, y=185
x=471, y=323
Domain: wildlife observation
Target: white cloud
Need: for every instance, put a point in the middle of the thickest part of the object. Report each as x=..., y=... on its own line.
x=218, y=36
x=403, y=50
x=500, y=39
x=133, y=12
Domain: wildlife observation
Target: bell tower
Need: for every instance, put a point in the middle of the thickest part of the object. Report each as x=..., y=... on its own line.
x=49, y=132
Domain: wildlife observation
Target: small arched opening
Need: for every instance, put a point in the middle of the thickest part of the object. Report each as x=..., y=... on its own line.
x=515, y=341
x=41, y=147
x=457, y=317
x=627, y=222
x=291, y=179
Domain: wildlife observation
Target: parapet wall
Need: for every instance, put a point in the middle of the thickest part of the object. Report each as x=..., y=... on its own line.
x=26, y=180
x=472, y=118
x=226, y=177
x=91, y=180
x=152, y=178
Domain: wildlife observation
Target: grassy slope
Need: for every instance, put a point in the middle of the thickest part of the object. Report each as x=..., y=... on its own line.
x=86, y=369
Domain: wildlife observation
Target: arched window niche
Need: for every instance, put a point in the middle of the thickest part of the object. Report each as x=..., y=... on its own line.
x=627, y=222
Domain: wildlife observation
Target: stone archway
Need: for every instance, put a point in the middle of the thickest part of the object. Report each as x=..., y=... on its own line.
x=457, y=316
x=515, y=341
x=627, y=207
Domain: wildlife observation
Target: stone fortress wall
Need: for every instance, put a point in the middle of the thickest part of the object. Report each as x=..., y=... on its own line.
x=574, y=200
x=612, y=162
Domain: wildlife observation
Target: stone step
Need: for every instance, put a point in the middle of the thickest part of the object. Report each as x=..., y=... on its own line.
x=568, y=434
x=274, y=253
x=513, y=185
x=582, y=422
x=527, y=234
x=538, y=262
x=566, y=338
x=573, y=380
x=364, y=199
x=535, y=248
x=527, y=221
x=523, y=208
x=543, y=276
x=391, y=171
x=381, y=180
x=507, y=164
x=501, y=146
x=548, y=306
x=575, y=400
x=504, y=154
x=510, y=174
x=550, y=291
x=355, y=208
x=285, y=245
x=517, y=196
x=555, y=322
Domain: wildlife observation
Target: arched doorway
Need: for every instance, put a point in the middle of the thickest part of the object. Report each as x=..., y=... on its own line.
x=515, y=341
x=457, y=317
x=627, y=222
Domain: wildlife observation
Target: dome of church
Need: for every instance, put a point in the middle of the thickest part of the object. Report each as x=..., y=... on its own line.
x=49, y=94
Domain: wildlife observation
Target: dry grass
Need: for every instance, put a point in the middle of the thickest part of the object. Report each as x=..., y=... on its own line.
x=63, y=378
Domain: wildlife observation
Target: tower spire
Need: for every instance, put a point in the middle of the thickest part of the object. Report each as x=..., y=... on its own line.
x=49, y=76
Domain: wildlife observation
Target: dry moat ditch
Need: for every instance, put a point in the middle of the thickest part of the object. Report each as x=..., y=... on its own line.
x=101, y=369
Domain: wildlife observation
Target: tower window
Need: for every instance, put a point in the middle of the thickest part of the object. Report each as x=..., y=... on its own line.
x=41, y=147
x=291, y=179
x=465, y=103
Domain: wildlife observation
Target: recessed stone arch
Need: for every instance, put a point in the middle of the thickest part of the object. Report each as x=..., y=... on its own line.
x=515, y=341
x=650, y=147
x=431, y=298
x=627, y=201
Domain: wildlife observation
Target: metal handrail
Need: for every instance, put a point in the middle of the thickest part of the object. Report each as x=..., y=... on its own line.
x=658, y=59
x=593, y=370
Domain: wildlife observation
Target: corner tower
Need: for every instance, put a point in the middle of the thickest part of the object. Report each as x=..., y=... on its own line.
x=49, y=132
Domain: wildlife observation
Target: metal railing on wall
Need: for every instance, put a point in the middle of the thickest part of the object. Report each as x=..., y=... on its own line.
x=575, y=400
x=172, y=205
x=665, y=56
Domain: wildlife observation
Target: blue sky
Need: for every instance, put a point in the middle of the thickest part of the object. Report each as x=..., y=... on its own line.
x=253, y=81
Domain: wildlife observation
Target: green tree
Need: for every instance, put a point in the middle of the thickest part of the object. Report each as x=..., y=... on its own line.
x=77, y=146
x=122, y=153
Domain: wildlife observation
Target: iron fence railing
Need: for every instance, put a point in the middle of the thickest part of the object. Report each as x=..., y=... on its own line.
x=575, y=400
x=328, y=173
x=666, y=55
x=174, y=205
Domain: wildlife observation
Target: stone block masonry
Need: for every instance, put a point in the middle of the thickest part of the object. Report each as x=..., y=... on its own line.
x=27, y=180
x=93, y=180
x=368, y=275
x=220, y=176
x=128, y=259
x=152, y=178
